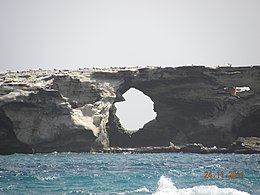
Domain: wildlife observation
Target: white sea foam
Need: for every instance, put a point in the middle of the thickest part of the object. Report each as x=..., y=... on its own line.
x=10, y=187
x=48, y=178
x=166, y=186
x=144, y=189
x=138, y=191
x=75, y=192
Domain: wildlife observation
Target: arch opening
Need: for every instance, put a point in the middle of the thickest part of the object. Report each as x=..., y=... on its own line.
x=135, y=111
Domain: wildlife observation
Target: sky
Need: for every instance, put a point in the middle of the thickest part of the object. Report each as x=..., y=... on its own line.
x=72, y=34
x=134, y=114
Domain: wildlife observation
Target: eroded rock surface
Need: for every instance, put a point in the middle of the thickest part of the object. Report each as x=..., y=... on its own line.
x=62, y=110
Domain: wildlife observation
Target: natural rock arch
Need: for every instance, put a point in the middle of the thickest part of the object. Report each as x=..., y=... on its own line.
x=190, y=103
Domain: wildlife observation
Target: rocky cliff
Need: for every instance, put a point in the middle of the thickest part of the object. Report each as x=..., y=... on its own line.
x=63, y=110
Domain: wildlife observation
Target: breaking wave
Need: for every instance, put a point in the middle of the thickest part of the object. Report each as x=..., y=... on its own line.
x=166, y=186
x=48, y=178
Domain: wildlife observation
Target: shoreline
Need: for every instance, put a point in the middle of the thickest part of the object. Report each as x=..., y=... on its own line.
x=188, y=148
x=165, y=149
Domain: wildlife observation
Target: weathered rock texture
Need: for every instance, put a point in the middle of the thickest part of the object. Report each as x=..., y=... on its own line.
x=45, y=111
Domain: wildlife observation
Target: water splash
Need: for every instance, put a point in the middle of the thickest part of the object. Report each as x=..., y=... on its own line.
x=166, y=186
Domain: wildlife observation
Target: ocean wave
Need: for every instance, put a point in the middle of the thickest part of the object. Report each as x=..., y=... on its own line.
x=166, y=186
x=48, y=178
x=75, y=192
x=7, y=188
x=142, y=190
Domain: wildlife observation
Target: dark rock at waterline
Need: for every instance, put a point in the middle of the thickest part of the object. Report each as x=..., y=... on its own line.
x=246, y=145
x=63, y=110
x=188, y=148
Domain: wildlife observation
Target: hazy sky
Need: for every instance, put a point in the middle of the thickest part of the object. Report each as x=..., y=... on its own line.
x=85, y=33
x=134, y=114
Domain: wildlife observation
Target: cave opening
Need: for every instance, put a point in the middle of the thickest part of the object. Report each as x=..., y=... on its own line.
x=135, y=111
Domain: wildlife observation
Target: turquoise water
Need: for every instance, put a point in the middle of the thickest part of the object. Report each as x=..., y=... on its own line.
x=72, y=173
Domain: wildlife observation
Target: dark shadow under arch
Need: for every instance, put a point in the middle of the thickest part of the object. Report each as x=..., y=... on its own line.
x=249, y=126
x=9, y=144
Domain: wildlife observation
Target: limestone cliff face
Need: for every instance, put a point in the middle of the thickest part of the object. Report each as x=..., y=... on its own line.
x=45, y=111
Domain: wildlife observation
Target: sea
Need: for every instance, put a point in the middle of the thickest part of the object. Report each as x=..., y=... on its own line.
x=125, y=173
